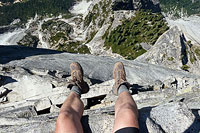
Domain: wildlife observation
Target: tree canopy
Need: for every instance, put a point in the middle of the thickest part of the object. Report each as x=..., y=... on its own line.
x=28, y=9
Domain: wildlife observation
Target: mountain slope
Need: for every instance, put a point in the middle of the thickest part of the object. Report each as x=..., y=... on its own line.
x=180, y=8
x=28, y=9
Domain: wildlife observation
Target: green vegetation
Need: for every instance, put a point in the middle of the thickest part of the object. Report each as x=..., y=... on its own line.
x=60, y=39
x=190, y=52
x=55, y=25
x=29, y=40
x=185, y=67
x=92, y=34
x=126, y=38
x=92, y=15
x=28, y=9
x=197, y=52
x=74, y=47
x=106, y=33
x=58, y=36
x=176, y=6
x=99, y=11
x=192, y=58
x=96, y=12
x=170, y=58
x=64, y=44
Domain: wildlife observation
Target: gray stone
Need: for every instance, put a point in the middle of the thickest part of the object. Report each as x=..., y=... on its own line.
x=145, y=46
x=152, y=127
x=172, y=50
x=58, y=98
x=158, y=85
x=23, y=112
x=54, y=108
x=137, y=72
x=27, y=87
x=46, y=77
x=167, y=50
x=173, y=117
x=42, y=104
x=3, y=99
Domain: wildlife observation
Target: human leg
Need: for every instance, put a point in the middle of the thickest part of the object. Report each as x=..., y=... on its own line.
x=126, y=112
x=72, y=109
x=70, y=115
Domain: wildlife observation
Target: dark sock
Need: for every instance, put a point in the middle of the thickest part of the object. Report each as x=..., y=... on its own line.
x=122, y=88
x=77, y=90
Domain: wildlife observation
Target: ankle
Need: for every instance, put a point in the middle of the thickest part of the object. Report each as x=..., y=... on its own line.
x=76, y=90
x=122, y=88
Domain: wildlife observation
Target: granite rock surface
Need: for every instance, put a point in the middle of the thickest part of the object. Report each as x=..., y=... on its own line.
x=33, y=88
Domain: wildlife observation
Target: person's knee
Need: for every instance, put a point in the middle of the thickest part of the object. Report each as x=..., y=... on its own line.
x=67, y=121
x=127, y=106
x=65, y=115
x=129, y=109
x=68, y=114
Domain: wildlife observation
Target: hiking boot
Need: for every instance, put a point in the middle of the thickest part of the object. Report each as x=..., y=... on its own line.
x=77, y=78
x=120, y=77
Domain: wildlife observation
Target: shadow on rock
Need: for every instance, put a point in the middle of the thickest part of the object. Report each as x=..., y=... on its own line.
x=85, y=124
x=15, y=52
x=135, y=88
x=96, y=81
x=150, y=5
x=194, y=128
x=6, y=80
x=144, y=114
x=4, y=92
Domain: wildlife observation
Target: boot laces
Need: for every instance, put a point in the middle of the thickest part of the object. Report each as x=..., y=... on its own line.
x=120, y=78
x=74, y=76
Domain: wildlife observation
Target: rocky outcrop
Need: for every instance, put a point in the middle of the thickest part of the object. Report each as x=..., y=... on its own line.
x=4, y=29
x=167, y=51
x=153, y=5
x=82, y=33
x=174, y=51
x=29, y=40
x=136, y=5
x=34, y=88
x=56, y=32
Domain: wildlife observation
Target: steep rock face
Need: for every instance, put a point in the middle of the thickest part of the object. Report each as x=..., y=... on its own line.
x=100, y=21
x=126, y=4
x=4, y=29
x=56, y=32
x=70, y=33
x=172, y=50
x=180, y=9
x=136, y=4
x=29, y=40
x=189, y=26
x=77, y=31
x=167, y=51
x=33, y=88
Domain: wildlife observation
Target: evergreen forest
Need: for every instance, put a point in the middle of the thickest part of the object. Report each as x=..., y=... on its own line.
x=188, y=7
x=26, y=10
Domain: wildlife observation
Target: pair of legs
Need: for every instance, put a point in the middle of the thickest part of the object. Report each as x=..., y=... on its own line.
x=126, y=112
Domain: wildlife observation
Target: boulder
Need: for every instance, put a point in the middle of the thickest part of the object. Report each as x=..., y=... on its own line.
x=174, y=117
